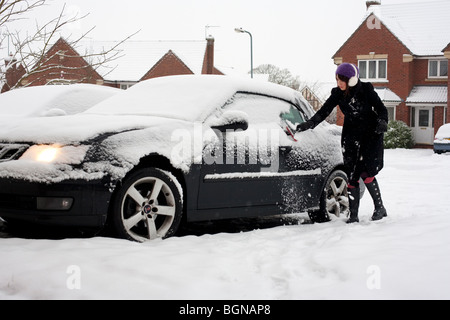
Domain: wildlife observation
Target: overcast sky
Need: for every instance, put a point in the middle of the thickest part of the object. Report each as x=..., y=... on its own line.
x=301, y=36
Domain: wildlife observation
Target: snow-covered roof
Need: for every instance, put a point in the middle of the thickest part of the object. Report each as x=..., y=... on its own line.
x=386, y=95
x=138, y=57
x=423, y=27
x=428, y=94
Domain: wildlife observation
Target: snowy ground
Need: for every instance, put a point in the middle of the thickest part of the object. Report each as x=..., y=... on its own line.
x=405, y=256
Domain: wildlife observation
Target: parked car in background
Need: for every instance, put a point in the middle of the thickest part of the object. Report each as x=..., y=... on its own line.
x=193, y=148
x=442, y=139
x=51, y=100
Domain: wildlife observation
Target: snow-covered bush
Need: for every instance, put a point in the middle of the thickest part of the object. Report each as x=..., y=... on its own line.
x=399, y=135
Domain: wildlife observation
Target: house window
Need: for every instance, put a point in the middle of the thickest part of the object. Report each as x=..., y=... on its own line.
x=424, y=118
x=437, y=68
x=374, y=70
x=126, y=86
x=391, y=113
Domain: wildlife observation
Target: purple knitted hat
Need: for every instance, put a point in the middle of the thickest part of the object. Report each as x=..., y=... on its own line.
x=350, y=71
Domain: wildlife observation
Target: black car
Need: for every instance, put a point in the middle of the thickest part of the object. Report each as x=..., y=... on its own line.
x=194, y=148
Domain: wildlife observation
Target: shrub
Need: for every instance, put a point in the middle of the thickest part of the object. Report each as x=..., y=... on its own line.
x=399, y=135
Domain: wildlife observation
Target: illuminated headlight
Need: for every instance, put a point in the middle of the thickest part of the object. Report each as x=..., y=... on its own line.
x=56, y=154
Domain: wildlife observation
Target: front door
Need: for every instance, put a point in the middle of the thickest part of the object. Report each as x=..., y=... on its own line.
x=424, y=129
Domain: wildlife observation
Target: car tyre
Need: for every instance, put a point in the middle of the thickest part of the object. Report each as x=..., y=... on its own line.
x=148, y=206
x=334, y=198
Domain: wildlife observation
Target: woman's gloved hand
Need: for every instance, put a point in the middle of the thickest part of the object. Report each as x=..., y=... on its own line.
x=305, y=126
x=381, y=126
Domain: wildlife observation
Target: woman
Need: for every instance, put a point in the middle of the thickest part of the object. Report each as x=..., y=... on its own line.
x=365, y=122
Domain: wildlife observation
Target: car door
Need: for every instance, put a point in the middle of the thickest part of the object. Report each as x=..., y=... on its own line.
x=299, y=163
x=253, y=169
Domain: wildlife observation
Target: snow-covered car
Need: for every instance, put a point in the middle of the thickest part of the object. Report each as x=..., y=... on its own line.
x=191, y=148
x=51, y=100
x=442, y=139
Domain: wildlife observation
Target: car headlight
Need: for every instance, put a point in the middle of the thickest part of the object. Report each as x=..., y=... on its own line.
x=56, y=154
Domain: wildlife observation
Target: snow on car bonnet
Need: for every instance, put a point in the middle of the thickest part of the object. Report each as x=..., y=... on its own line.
x=188, y=97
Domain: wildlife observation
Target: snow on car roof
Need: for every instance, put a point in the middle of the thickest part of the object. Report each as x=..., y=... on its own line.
x=52, y=99
x=188, y=97
x=162, y=104
x=443, y=132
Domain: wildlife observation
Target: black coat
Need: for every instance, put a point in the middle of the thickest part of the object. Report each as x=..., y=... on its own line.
x=362, y=147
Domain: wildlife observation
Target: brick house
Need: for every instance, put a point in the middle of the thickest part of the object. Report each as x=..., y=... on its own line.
x=316, y=94
x=61, y=64
x=138, y=61
x=403, y=49
x=143, y=60
x=14, y=73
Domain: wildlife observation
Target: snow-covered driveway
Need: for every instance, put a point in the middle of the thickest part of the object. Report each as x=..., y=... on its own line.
x=405, y=256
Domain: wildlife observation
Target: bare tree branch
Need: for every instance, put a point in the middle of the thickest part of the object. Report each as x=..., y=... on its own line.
x=278, y=76
x=12, y=10
x=31, y=52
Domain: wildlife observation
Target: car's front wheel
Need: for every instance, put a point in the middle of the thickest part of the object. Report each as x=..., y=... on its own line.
x=334, y=198
x=148, y=205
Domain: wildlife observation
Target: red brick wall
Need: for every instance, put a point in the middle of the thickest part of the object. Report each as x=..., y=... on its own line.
x=378, y=39
x=448, y=93
x=168, y=65
x=438, y=118
x=63, y=62
x=402, y=76
x=13, y=74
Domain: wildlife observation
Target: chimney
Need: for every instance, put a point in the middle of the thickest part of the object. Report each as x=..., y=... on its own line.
x=372, y=3
x=10, y=61
x=14, y=72
x=208, y=63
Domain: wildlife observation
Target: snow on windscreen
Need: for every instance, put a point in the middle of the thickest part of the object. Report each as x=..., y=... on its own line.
x=260, y=109
x=190, y=98
x=52, y=100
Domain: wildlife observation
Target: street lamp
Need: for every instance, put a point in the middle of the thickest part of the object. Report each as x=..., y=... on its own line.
x=240, y=30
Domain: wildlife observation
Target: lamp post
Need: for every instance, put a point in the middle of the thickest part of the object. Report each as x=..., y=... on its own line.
x=240, y=30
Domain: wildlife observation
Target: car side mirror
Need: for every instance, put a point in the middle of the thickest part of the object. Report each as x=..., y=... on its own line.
x=231, y=120
x=232, y=127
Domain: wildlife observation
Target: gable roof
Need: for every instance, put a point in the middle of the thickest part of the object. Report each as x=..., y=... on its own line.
x=423, y=27
x=447, y=48
x=136, y=58
x=175, y=62
x=62, y=48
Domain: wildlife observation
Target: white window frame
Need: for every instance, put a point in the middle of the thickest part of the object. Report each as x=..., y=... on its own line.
x=377, y=70
x=439, y=62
